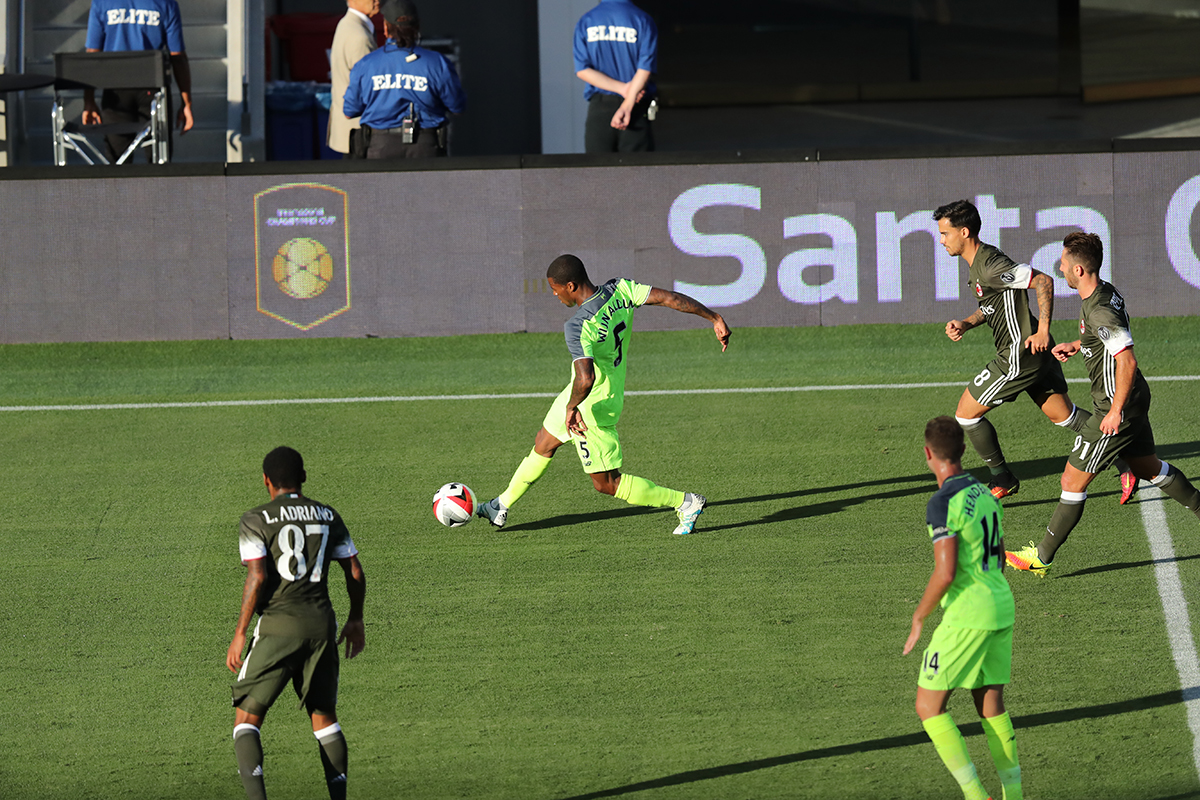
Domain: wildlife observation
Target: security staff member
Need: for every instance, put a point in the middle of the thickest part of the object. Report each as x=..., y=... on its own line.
x=122, y=25
x=403, y=92
x=616, y=54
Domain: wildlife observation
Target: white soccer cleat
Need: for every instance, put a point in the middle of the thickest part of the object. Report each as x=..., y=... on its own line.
x=493, y=512
x=692, y=507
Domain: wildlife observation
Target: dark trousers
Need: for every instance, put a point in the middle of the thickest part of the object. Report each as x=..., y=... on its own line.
x=599, y=136
x=390, y=144
x=129, y=105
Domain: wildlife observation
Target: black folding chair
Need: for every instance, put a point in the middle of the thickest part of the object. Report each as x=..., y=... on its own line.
x=134, y=69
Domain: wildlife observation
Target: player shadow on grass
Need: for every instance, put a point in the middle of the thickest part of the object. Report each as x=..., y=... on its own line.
x=904, y=740
x=925, y=482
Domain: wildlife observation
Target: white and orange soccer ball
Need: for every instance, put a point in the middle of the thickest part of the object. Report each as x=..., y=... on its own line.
x=454, y=505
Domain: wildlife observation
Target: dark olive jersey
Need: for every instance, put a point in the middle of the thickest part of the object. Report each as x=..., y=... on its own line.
x=298, y=538
x=1000, y=285
x=1104, y=332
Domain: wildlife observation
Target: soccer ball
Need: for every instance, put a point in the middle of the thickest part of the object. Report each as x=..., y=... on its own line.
x=303, y=268
x=454, y=505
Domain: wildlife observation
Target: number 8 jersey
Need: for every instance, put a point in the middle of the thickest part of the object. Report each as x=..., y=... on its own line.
x=299, y=538
x=600, y=330
x=979, y=597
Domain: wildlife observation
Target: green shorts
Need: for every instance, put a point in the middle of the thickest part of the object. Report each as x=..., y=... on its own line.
x=310, y=664
x=1095, y=451
x=599, y=449
x=966, y=658
x=1038, y=375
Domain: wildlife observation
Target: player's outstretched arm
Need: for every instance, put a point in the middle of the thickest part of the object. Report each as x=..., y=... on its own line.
x=1043, y=285
x=955, y=328
x=354, y=632
x=945, y=563
x=688, y=305
x=256, y=579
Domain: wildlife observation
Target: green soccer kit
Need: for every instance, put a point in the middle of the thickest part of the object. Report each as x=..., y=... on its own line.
x=599, y=330
x=972, y=646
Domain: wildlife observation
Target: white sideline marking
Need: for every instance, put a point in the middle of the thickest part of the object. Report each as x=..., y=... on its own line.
x=1170, y=591
x=517, y=396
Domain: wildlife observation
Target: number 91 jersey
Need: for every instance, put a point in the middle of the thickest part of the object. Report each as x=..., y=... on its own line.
x=298, y=538
x=600, y=330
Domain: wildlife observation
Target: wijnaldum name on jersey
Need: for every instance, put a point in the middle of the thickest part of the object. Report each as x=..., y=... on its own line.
x=615, y=305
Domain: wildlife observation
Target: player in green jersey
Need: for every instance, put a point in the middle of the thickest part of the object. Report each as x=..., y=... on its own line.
x=587, y=411
x=972, y=647
x=287, y=546
x=1023, y=363
x=1120, y=425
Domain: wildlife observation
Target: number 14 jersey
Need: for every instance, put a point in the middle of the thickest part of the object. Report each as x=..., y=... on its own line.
x=979, y=597
x=298, y=538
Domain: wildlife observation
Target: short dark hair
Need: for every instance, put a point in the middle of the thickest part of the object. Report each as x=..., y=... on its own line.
x=284, y=467
x=962, y=214
x=944, y=436
x=1087, y=249
x=567, y=269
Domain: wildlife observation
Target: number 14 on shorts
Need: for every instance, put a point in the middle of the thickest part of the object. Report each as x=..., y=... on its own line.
x=930, y=664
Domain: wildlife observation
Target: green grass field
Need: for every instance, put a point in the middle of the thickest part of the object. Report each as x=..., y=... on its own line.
x=583, y=651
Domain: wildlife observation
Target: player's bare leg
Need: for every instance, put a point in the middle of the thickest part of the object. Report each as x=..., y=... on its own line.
x=247, y=746
x=1002, y=740
x=948, y=741
x=982, y=435
x=545, y=445
x=334, y=754
x=1065, y=414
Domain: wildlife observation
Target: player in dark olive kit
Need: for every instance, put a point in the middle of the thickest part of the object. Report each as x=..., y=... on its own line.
x=1120, y=425
x=1023, y=363
x=287, y=546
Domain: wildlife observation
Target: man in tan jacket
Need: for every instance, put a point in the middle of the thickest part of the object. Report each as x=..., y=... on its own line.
x=353, y=39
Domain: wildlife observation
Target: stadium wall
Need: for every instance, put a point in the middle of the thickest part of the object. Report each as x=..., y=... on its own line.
x=168, y=255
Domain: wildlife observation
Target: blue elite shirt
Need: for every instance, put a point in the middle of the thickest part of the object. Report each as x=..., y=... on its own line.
x=616, y=38
x=383, y=84
x=118, y=25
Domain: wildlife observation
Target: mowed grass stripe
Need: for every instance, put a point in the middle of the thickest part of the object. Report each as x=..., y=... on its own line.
x=517, y=396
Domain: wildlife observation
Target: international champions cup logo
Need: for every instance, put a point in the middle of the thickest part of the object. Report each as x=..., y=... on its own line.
x=301, y=253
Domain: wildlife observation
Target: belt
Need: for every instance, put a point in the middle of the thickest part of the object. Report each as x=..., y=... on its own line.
x=395, y=130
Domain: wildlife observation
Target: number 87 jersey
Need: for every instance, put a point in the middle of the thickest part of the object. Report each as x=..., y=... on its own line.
x=297, y=538
x=979, y=597
x=600, y=330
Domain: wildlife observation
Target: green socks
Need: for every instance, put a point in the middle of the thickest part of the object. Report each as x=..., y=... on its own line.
x=641, y=492
x=952, y=748
x=247, y=746
x=334, y=757
x=1076, y=421
x=1002, y=741
x=526, y=475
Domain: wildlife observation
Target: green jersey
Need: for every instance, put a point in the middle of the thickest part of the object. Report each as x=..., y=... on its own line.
x=1000, y=285
x=1104, y=332
x=979, y=597
x=600, y=330
x=298, y=537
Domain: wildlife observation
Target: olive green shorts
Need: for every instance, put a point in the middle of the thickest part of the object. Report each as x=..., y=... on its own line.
x=1095, y=451
x=966, y=658
x=310, y=664
x=1040, y=375
x=599, y=449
